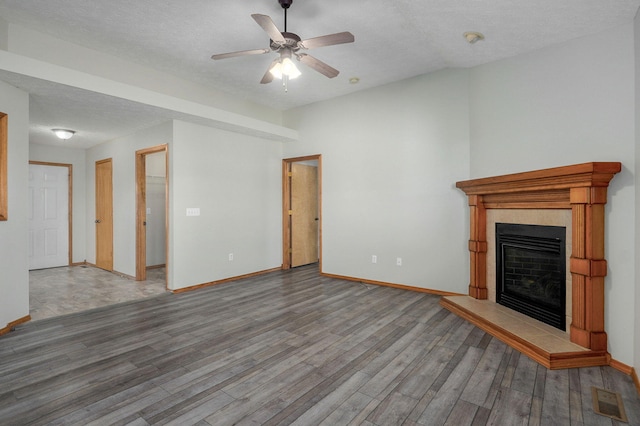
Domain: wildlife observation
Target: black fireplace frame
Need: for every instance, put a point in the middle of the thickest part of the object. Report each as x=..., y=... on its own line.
x=540, y=241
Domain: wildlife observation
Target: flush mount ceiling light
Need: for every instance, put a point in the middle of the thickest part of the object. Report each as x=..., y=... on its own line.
x=63, y=134
x=473, y=37
x=354, y=80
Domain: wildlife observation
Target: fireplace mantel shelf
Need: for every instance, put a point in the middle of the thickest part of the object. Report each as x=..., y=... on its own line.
x=548, y=188
x=582, y=188
x=578, y=175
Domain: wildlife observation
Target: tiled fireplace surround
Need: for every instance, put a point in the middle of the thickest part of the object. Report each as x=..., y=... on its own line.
x=571, y=196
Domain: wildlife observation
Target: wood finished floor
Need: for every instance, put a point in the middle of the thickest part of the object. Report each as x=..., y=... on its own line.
x=286, y=347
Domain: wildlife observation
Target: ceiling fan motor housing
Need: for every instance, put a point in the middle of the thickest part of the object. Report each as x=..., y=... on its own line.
x=285, y=3
x=291, y=42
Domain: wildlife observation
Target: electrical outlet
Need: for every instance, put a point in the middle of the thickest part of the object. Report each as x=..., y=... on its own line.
x=374, y=258
x=230, y=257
x=398, y=261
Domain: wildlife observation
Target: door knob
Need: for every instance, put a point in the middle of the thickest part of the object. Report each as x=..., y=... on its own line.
x=97, y=220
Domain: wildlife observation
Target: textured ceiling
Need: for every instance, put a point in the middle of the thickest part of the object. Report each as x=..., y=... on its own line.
x=394, y=40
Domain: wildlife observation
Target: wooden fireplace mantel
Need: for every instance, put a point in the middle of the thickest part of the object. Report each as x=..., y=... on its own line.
x=581, y=188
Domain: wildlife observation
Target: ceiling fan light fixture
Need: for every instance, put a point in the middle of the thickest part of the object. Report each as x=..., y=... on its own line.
x=285, y=67
x=63, y=134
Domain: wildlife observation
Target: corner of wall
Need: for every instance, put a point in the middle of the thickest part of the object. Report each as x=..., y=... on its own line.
x=636, y=333
x=14, y=285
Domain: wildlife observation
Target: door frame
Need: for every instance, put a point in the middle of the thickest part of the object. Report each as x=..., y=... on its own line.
x=286, y=207
x=141, y=211
x=70, y=198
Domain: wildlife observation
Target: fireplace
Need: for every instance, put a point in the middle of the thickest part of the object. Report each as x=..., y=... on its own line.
x=530, y=271
x=580, y=190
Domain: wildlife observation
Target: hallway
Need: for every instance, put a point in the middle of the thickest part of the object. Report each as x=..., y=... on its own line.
x=69, y=289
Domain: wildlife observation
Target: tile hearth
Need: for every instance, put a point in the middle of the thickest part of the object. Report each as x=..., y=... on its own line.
x=546, y=337
x=545, y=344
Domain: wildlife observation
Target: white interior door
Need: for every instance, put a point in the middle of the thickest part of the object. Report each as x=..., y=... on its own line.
x=48, y=216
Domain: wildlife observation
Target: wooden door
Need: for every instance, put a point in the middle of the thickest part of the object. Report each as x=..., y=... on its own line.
x=49, y=215
x=104, y=214
x=304, y=214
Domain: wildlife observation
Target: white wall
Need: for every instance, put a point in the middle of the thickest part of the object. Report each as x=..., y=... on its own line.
x=4, y=34
x=75, y=157
x=122, y=152
x=14, y=250
x=390, y=159
x=562, y=105
x=235, y=181
x=156, y=221
x=636, y=333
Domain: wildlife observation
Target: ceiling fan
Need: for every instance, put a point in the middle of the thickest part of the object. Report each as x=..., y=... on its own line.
x=289, y=45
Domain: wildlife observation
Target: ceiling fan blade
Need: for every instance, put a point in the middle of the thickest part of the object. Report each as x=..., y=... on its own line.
x=328, y=40
x=240, y=53
x=268, y=77
x=318, y=65
x=269, y=27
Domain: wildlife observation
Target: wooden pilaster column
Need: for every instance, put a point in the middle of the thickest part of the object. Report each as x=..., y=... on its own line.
x=478, y=248
x=588, y=267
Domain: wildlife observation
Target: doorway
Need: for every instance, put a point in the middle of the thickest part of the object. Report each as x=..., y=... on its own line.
x=50, y=219
x=152, y=201
x=301, y=211
x=104, y=214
